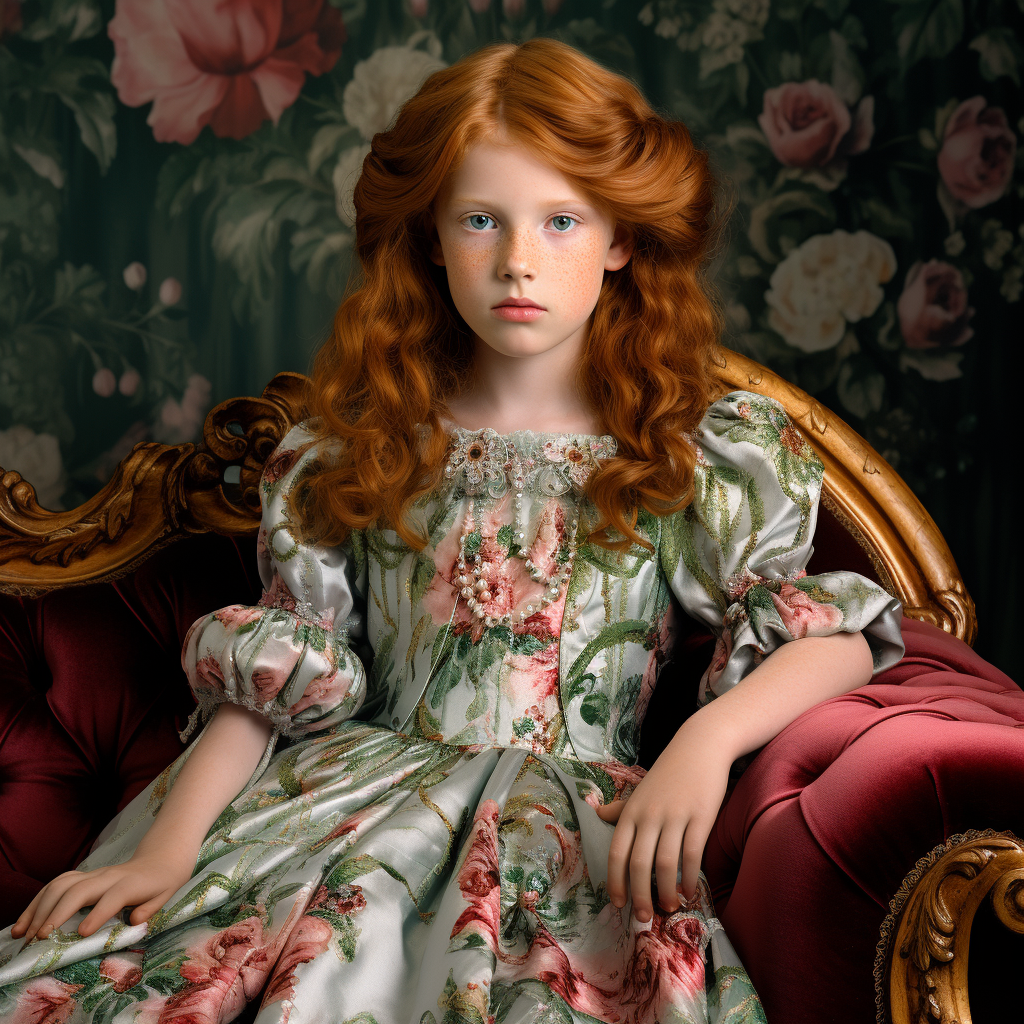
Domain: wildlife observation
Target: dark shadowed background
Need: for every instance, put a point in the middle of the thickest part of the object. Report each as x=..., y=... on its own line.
x=176, y=220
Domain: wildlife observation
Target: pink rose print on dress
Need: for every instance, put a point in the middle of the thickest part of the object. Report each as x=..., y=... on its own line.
x=277, y=595
x=234, y=616
x=720, y=658
x=44, y=1001
x=549, y=962
x=977, y=155
x=666, y=964
x=229, y=64
x=224, y=973
x=808, y=125
x=311, y=937
x=208, y=675
x=508, y=581
x=122, y=970
x=479, y=880
x=278, y=465
x=933, y=308
x=803, y=616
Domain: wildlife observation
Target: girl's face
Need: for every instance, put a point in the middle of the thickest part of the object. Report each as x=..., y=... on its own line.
x=510, y=226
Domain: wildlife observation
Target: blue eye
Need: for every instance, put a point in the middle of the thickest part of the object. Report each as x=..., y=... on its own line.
x=567, y=222
x=474, y=220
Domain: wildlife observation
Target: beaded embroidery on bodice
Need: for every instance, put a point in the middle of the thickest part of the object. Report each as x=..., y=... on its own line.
x=486, y=463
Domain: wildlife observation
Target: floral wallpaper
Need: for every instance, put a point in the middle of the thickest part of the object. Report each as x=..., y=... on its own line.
x=176, y=221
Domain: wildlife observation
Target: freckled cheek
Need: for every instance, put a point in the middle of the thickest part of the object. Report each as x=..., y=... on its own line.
x=576, y=274
x=467, y=265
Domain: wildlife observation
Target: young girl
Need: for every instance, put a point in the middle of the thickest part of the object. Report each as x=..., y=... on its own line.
x=415, y=798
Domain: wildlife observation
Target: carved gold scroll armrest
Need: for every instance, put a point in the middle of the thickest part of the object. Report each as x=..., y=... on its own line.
x=157, y=494
x=921, y=959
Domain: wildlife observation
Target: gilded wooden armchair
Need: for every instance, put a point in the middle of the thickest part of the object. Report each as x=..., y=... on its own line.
x=163, y=495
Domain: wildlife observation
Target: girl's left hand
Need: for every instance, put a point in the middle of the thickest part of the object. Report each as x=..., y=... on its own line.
x=673, y=808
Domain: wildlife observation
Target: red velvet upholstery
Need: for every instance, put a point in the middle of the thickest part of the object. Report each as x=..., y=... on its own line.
x=807, y=851
x=832, y=814
x=92, y=696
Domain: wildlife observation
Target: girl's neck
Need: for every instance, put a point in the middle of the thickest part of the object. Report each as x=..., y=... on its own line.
x=510, y=393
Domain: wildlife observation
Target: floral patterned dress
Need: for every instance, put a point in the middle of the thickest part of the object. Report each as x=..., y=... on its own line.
x=420, y=842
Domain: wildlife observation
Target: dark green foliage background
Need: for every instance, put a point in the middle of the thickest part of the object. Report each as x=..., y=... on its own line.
x=250, y=227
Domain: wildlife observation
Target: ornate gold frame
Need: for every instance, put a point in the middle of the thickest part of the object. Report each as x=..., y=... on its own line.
x=921, y=959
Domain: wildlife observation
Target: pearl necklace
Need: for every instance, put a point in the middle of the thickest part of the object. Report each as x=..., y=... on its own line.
x=473, y=586
x=485, y=462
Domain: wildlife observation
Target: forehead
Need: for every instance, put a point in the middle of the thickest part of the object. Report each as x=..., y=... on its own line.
x=500, y=169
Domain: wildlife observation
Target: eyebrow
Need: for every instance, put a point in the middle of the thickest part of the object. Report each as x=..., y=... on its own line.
x=473, y=201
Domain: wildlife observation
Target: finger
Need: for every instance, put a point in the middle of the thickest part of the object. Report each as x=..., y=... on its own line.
x=611, y=811
x=19, y=926
x=115, y=898
x=693, y=850
x=641, y=863
x=48, y=899
x=618, y=861
x=82, y=894
x=144, y=911
x=666, y=864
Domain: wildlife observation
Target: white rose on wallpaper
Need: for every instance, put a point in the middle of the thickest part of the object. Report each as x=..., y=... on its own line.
x=37, y=458
x=826, y=283
x=382, y=83
x=346, y=173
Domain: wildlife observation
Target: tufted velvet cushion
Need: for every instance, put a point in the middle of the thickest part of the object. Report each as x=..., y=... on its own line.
x=813, y=841
x=91, y=698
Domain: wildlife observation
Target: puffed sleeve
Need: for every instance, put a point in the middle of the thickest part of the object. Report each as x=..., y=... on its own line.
x=289, y=656
x=735, y=556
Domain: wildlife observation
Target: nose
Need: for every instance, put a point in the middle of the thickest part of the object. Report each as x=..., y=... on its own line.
x=516, y=259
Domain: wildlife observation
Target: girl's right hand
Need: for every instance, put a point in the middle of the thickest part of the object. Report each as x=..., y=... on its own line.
x=145, y=882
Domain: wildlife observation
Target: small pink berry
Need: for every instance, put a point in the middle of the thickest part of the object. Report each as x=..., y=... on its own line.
x=129, y=382
x=135, y=276
x=479, y=6
x=418, y=8
x=104, y=383
x=170, y=291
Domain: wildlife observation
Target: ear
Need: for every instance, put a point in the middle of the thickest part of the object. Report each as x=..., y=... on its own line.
x=621, y=248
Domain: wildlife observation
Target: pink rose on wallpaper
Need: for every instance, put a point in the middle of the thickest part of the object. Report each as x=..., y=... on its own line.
x=933, y=310
x=10, y=17
x=229, y=64
x=803, y=616
x=977, y=155
x=808, y=125
x=44, y=1001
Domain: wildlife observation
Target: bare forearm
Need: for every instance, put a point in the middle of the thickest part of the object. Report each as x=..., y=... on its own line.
x=792, y=679
x=222, y=762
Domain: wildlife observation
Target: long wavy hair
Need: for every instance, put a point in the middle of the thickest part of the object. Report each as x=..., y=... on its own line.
x=399, y=348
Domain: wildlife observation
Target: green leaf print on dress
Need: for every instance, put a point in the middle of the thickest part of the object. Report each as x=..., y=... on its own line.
x=428, y=800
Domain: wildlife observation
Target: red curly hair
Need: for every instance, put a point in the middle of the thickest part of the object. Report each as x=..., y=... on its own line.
x=399, y=348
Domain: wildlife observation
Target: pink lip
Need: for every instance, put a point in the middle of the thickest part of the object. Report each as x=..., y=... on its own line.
x=518, y=313
x=518, y=302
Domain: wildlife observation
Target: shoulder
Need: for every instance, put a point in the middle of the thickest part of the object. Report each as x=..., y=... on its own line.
x=748, y=419
x=294, y=452
x=752, y=435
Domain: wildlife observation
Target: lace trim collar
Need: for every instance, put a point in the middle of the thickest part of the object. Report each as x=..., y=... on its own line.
x=484, y=462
